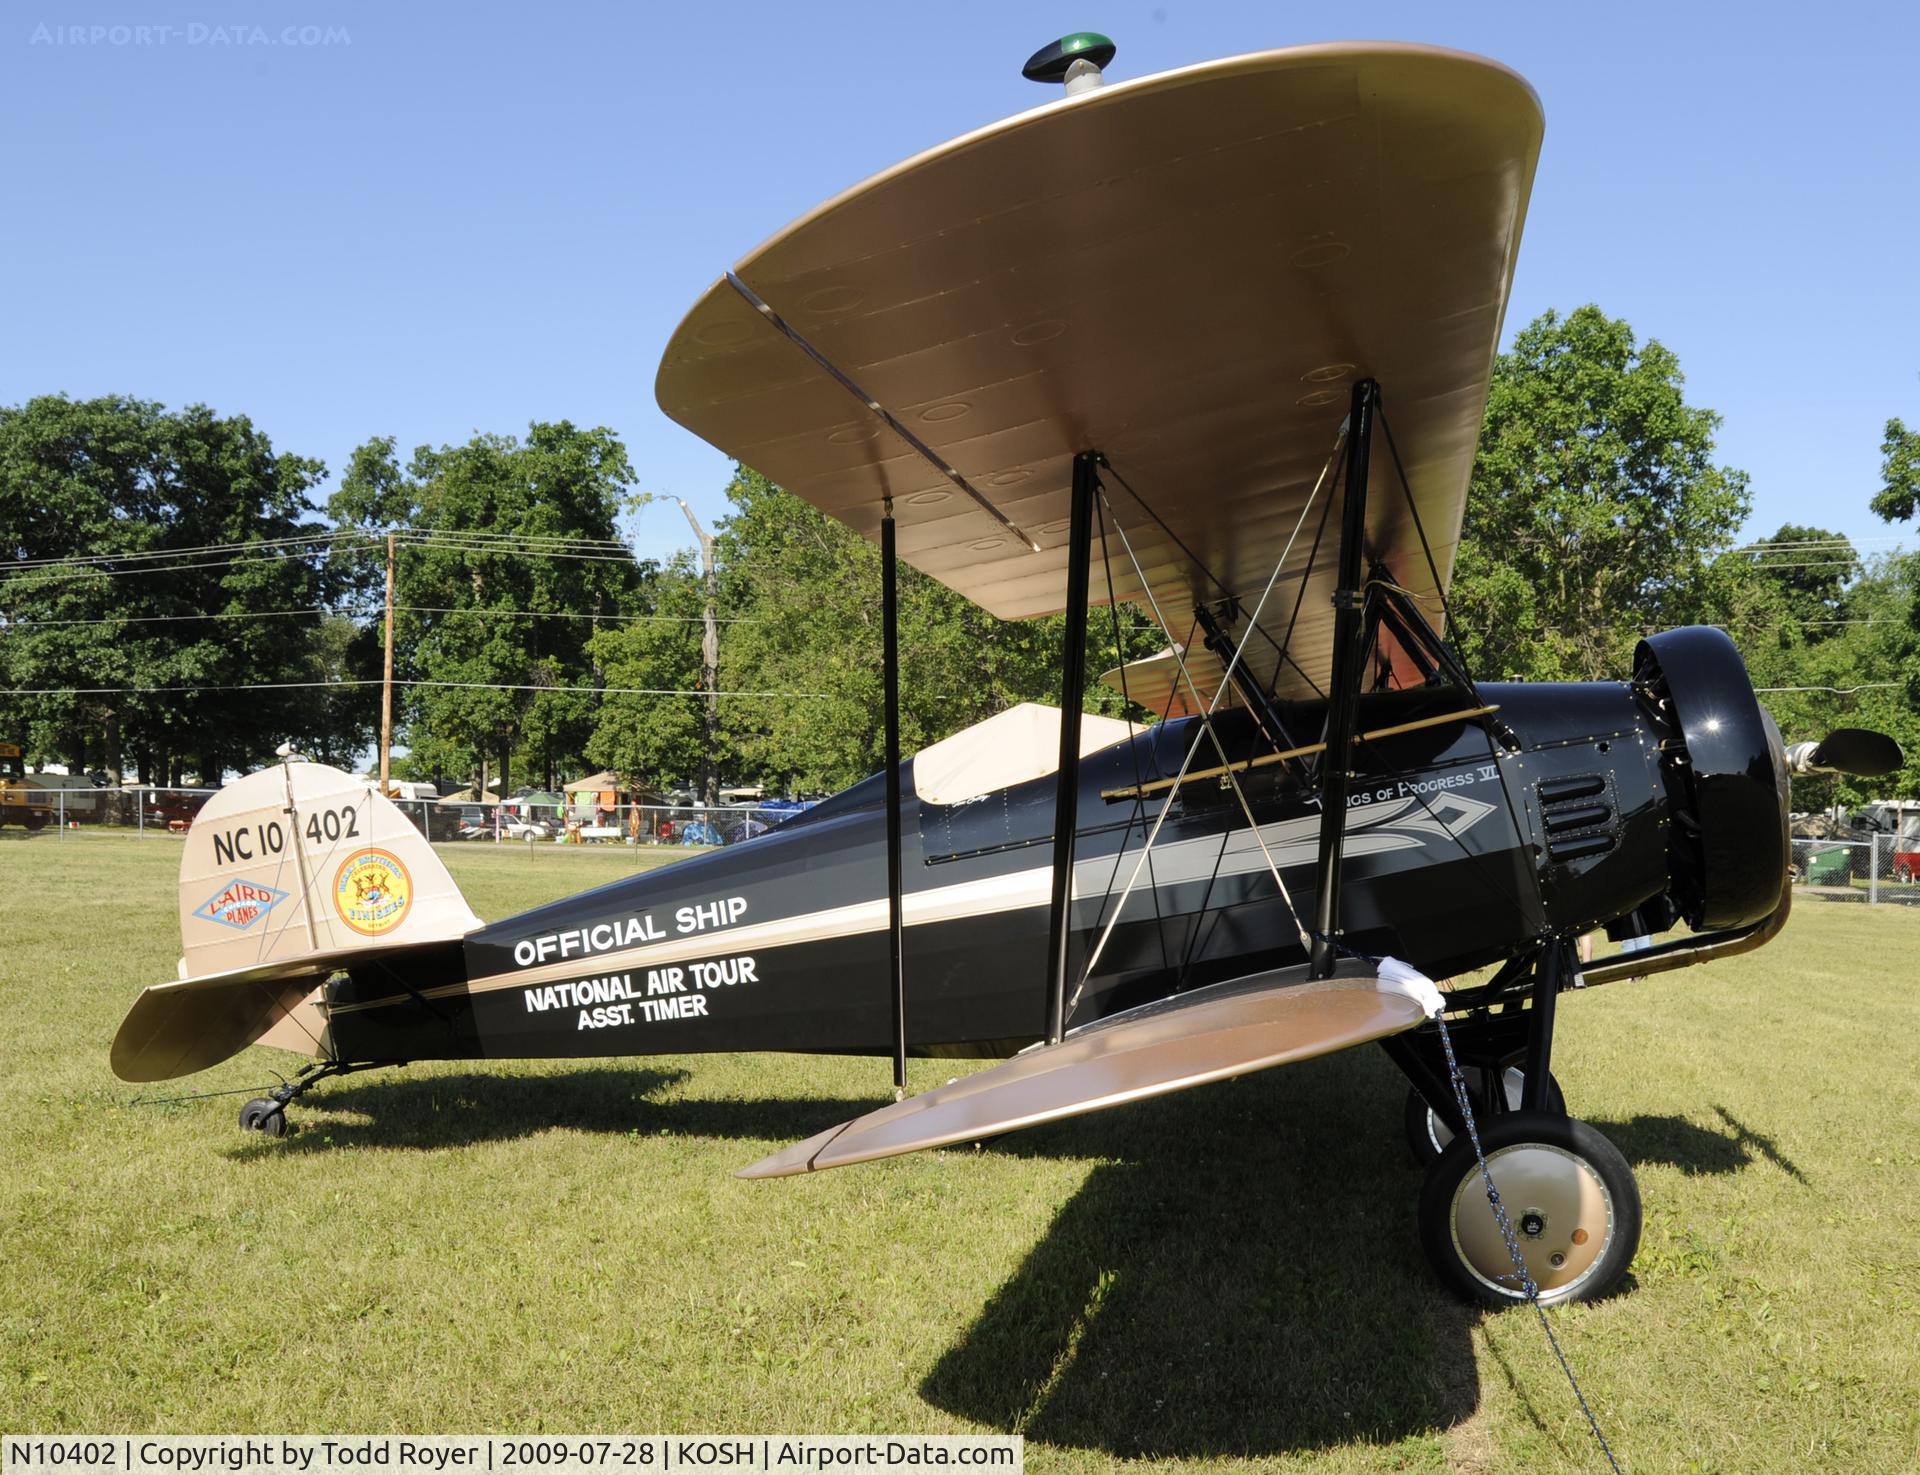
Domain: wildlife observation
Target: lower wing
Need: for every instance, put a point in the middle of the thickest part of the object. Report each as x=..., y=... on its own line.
x=1210, y=1034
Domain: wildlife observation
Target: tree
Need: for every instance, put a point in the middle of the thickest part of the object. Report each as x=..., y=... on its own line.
x=1868, y=676
x=511, y=553
x=112, y=500
x=1893, y=596
x=1595, y=504
x=645, y=738
x=800, y=658
x=1811, y=568
x=805, y=592
x=1899, y=495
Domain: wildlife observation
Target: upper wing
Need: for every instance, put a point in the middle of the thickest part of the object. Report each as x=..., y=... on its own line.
x=1186, y=272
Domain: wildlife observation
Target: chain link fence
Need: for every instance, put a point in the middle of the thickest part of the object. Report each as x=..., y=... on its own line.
x=535, y=822
x=1884, y=869
x=1881, y=870
x=150, y=810
x=143, y=810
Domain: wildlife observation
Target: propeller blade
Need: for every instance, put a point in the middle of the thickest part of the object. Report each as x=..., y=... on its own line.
x=1851, y=750
x=1209, y=1034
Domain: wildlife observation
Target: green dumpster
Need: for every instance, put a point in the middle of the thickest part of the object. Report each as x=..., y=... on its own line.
x=1831, y=867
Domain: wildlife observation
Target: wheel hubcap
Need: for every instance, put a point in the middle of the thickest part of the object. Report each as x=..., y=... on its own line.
x=1561, y=1212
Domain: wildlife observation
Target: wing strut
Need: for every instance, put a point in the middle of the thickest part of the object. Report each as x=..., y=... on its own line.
x=1343, y=687
x=1066, y=794
x=1206, y=710
x=890, y=682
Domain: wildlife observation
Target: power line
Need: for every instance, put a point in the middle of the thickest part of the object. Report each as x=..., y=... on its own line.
x=496, y=550
x=563, y=614
x=329, y=535
x=133, y=555
x=52, y=573
x=590, y=691
x=1839, y=691
x=618, y=548
x=7, y=623
x=297, y=552
x=1749, y=626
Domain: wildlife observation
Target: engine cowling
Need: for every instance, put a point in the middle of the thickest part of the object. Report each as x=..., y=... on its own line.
x=1725, y=774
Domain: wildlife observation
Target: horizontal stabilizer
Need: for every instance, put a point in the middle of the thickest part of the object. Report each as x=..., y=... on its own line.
x=174, y=1030
x=177, y=1028
x=1209, y=1034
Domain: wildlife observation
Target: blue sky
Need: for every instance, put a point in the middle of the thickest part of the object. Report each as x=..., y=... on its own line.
x=423, y=220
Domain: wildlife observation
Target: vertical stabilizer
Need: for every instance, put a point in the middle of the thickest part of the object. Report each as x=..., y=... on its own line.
x=286, y=875
x=303, y=860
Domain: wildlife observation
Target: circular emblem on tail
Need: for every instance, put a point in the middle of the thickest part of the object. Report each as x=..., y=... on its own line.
x=372, y=891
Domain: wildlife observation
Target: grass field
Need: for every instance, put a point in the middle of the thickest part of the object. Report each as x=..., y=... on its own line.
x=1224, y=1280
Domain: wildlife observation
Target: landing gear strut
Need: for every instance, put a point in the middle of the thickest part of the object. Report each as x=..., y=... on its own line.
x=267, y=1114
x=1428, y=1135
x=1571, y=1205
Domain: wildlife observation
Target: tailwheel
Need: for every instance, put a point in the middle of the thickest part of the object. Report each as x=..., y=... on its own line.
x=1428, y=1136
x=1569, y=1196
x=264, y=1115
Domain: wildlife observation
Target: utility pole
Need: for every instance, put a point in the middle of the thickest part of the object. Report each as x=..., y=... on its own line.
x=709, y=664
x=386, y=686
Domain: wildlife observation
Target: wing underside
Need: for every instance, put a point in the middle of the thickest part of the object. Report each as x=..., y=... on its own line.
x=1187, y=273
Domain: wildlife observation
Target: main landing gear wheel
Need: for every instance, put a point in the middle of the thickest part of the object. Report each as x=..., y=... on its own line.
x=1568, y=1193
x=1428, y=1136
x=264, y=1115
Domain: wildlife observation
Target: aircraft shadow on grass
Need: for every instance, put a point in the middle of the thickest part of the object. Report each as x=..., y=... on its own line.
x=1237, y=1275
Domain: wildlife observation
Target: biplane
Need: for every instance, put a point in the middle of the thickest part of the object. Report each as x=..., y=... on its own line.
x=1216, y=344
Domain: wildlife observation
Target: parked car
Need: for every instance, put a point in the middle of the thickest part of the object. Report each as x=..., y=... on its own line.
x=533, y=811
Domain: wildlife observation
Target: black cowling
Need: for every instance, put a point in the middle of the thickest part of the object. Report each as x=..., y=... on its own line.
x=1725, y=773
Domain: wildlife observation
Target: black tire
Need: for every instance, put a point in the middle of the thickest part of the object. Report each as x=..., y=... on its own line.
x=264, y=1115
x=1427, y=1135
x=1568, y=1193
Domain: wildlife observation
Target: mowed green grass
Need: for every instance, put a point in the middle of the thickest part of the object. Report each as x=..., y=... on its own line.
x=1224, y=1280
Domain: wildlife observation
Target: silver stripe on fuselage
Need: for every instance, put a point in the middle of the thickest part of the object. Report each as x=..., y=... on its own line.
x=1372, y=829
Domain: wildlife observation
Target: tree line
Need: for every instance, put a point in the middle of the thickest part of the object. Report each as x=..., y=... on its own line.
x=176, y=604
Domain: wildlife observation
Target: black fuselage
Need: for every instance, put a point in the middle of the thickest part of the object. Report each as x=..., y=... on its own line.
x=1465, y=842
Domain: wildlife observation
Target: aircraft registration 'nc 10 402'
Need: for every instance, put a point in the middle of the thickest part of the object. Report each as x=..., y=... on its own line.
x=1222, y=336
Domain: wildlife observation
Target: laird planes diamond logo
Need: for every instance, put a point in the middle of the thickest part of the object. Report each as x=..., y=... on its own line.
x=239, y=904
